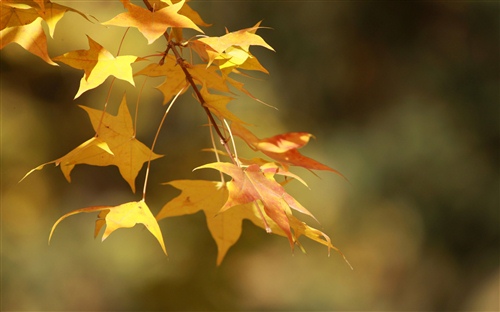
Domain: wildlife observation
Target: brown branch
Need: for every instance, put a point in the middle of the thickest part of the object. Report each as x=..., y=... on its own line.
x=180, y=61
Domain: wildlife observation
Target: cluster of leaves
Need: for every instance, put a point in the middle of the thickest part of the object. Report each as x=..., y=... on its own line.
x=256, y=190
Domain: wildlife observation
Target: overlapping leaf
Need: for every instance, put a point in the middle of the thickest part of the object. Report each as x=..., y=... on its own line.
x=232, y=49
x=253, y=193
x=122, y=216
x=21, y=23
x=251, y=185
x=217, y=104
x=226, y=227
x=175, y=78
x=185, y=10
x=114, y=144
x=282, y=147
x=152, y=24
x=98, y=64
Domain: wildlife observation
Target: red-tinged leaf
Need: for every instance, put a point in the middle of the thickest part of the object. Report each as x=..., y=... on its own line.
x=152, y=24
x=122, y=216
x=252, y=185
x=98, y=64
x=282, y=148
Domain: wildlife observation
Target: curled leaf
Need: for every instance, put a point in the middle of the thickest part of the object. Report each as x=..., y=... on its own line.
x=122, y=216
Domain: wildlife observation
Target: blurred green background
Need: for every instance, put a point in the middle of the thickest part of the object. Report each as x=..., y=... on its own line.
x=403, y=98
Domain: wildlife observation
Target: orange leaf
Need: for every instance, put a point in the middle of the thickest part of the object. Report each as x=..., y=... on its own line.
x=251, y=185
x=98, y=64
x=123, y=216
x=152, y=24
x=282, y=147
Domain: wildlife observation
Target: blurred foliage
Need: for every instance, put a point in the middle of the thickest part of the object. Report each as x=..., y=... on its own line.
x=403, y=100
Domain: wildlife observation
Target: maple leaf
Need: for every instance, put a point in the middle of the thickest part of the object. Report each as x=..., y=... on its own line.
x=53, y=12
x=186, y=10
x=282, y=147
x=152, y=24
x=122, y=216
x=216, y=103
x=207, y=196
x=21, y=22
x=114, y=144
x=31, y=37
x=226, y=227
x=98, y=64
x=232, y=48
x=253, y=185
x=175, y=78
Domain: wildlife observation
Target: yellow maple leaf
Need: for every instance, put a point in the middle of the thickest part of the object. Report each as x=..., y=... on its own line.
x=217, y=103
x=225, y=227
x=53, y=12
x=232, y=47
x=98, y=64
x=175, y=78
x=186, y=10
x=21, y=22
x=30, y=36
x=122, y=216
x=152, y=24
x=114, y=144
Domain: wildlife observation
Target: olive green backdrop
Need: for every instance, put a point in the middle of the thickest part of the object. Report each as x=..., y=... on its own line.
x=403, y=99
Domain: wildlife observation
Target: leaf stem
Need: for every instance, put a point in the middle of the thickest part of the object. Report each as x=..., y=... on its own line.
x=105, y=107
x=215, y=149
x=154, y=142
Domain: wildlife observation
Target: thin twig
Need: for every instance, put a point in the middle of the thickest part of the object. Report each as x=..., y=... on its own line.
x=215, y=149
x=154, y=142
